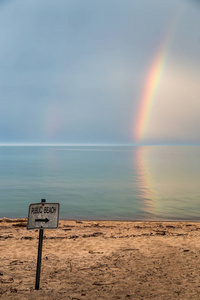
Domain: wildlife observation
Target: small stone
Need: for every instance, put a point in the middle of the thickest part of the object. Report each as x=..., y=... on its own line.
x=13, y=290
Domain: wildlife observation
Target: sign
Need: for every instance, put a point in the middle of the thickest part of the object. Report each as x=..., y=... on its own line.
x=43, y=215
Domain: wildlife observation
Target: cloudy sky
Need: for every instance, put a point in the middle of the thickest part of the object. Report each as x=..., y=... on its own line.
x=76, y=71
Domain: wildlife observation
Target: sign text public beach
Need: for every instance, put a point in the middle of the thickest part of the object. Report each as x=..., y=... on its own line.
x=43, y=215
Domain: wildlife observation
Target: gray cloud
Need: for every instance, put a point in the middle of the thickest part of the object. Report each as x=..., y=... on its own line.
x=74, y=71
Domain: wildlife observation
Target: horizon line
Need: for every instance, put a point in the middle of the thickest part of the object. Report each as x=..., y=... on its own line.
x=93, y=144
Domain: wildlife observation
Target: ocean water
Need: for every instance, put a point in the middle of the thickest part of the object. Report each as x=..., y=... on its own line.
x=102, y=182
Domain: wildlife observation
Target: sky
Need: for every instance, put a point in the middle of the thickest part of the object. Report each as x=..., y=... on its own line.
x=109, y=71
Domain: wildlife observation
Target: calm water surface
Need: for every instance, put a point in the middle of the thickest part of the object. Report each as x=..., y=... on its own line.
x=103, y=182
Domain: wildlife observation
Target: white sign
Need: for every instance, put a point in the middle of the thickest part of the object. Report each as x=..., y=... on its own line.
x=43, y=215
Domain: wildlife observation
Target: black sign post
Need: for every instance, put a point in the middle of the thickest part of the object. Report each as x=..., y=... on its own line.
x=42, y=216
x=39, y=257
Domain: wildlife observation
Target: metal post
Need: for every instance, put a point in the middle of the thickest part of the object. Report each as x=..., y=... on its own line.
x=37, y=280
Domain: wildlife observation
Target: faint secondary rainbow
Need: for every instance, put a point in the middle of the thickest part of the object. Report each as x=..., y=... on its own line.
x=151, y=85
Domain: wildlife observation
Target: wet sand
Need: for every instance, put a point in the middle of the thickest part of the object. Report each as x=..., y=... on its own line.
x=101, y=260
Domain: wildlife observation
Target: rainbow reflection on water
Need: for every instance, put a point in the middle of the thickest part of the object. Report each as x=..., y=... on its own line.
x=168, y=180
x=145, y=180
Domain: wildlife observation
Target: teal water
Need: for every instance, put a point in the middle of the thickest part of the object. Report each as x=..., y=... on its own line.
x=102, y=182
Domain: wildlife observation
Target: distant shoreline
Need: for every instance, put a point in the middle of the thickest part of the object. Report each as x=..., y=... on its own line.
x=18, y=220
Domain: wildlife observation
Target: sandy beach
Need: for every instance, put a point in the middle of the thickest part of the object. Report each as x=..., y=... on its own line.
x=101, y=260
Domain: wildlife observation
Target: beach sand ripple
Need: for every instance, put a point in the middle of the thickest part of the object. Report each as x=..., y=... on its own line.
x=101, y=260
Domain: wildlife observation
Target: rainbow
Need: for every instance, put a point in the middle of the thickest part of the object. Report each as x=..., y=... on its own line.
x=152, y=82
